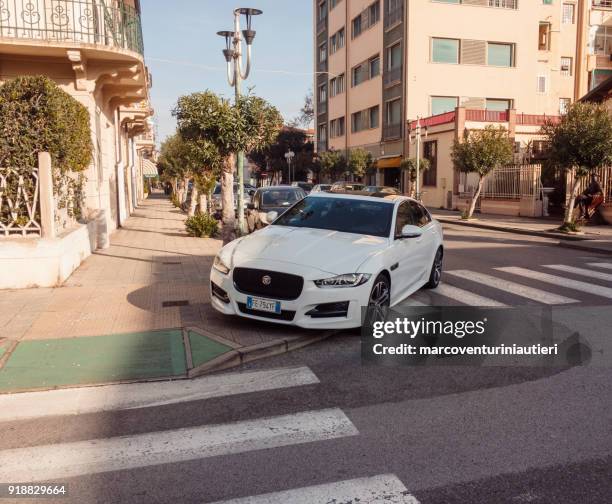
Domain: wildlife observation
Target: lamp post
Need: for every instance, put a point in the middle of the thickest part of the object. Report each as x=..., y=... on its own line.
x=235, y=76
x=418, y=135
x=289, y=155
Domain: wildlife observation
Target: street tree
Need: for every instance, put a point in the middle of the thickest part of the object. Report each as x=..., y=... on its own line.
x=481, y=152
x=410, y=166
x=306, y=116
x=580, y=143
x=249, y=125
x=332, y=163
x=359, y=162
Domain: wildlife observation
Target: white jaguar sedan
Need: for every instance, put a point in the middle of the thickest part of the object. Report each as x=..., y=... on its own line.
x=328, y=256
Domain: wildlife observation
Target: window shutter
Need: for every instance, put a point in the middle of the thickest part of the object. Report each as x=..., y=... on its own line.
x=473, y=52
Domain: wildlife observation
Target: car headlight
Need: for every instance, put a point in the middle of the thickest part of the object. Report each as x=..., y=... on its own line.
x=348, y=280
x=220, y=266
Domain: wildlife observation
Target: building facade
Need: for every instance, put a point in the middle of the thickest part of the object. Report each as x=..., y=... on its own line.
x=382, y=63
x=93, y=49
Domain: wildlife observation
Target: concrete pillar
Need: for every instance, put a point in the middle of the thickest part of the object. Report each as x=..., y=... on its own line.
x=459, y=132
x=512, y=123
x=45, y=194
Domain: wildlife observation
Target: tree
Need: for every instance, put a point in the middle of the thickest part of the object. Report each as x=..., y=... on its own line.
x=481, y=152
x=306, y=113
x=410, y=166
x=581, y=142
x=332, y=163
x=360, y=161
x=249, y=125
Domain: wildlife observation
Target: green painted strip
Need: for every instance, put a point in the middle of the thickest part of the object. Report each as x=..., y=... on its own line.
x=204, y=349
x=99, y=359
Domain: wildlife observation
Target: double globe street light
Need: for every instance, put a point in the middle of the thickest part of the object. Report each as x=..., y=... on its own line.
x=235, y=75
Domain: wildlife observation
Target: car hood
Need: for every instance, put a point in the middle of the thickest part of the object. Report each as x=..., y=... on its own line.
x=318, y=249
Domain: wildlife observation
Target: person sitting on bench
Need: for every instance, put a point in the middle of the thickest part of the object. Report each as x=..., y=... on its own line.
x=591, y=197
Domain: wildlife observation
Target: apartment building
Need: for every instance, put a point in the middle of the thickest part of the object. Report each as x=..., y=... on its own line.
x=382, y=63
x=94, y=50
x=596, y=42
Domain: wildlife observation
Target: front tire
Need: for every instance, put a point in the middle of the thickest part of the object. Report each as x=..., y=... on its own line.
x=435, y=276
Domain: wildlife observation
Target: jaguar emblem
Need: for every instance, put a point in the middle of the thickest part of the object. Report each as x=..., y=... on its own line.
x=266, y=280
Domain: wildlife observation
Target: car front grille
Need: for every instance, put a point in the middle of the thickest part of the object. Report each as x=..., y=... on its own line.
x=285, y=315
x=269, y=284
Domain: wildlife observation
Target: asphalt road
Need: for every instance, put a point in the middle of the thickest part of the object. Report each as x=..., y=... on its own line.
x=434, y=435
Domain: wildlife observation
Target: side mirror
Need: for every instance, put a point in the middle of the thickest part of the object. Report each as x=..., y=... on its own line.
x=410, y=231
x=271, y=217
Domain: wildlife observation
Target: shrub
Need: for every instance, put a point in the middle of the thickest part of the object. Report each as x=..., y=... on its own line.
x=201, y=225
x=37, y=116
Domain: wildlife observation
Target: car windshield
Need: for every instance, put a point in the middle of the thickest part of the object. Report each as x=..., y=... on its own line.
x=367, y=217
x=281, y=197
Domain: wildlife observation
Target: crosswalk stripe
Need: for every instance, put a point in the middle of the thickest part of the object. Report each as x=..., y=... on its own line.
x=466, y=297
x=55, y=462
x=581, y=271
x=383, y=489
x=513, y=288
x=601, y=265
x=145, y=395
x=560, y=281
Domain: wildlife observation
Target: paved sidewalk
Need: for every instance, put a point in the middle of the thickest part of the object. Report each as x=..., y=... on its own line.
x=122, y=291
x=591, y=238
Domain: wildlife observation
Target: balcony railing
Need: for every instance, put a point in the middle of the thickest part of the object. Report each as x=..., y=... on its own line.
x=321, y=145
x=602, y=4
x=393, y=75
x=79, y=21
x=392, y=130
x=486, y=115
x=321, y=25
x=394, y=17
x=322, y=107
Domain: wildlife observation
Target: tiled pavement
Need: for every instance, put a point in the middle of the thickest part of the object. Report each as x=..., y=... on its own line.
x=121, y=289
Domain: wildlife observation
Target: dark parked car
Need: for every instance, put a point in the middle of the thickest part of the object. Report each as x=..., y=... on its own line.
x=306, y=186
x=271, y=199
x=382, y=189
x=321, y=188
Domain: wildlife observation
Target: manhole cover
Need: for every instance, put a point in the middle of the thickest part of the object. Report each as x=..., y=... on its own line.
x=169, y=304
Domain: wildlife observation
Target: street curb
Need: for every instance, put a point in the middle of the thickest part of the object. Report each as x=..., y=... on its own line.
x=528, y=232
x=242, y=355
x=585, y=248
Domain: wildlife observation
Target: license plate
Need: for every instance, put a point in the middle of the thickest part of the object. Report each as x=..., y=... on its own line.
x=265, y=305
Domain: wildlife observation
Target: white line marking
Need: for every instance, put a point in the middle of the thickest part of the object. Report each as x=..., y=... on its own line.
x=513, y=288
x=606, y=277
x=59, y=461
x=145, y=395
x=383, y=489
x=466, y=297
x=600, y=265
x=560, y=281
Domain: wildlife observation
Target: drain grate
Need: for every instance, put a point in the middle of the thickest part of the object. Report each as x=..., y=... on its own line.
x=169, y=304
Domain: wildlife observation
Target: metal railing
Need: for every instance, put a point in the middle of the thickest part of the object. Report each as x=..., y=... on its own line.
x=605, y=180
x=19, y=202
x=81, y=21
x=394, y=17
x=504, y=4
x=486, y=115
x=393, y=75
x=321, y=25
x=321, y=146
x=322, y=107
x=605, y=4
x=512, y=182
x=392, y=130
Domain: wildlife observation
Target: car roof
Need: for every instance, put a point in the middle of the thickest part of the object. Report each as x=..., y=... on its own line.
x=362, y=195
x=276, y=187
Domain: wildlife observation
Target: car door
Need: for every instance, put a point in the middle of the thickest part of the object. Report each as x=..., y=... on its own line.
x=404, y=262
x=428, y=241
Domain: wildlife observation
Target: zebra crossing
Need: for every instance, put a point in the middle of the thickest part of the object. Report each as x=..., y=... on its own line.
x=593, y=279
x=57, y=462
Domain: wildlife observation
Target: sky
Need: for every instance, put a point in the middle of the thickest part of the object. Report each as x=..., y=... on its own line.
x=183, y=52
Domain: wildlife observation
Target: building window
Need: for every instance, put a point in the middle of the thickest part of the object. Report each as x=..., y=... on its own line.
x=603, y=40
x=564, y=104
x=365, y=119
x=368, y=18
x=498, y=104
x=322, y=12
x=445, y=50
x=568, y=13
x=393, y=113
x=336, y=41
x=443, y=104
x=544, y=37
x=356, y=27
x=500, y=54
x=322, y=137
x=336, y=85
x=566, y=66
x=333, y=3
x=322, y=94
x=394, y=56
x=430, y=152
x=374, y=66
x=336, y=127
x=323, y=52
x=374, y=13
x=542, y=84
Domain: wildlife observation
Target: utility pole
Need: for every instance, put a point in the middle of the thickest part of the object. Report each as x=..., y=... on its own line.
x=235, y=76
x=417, y=138
x=289, y=155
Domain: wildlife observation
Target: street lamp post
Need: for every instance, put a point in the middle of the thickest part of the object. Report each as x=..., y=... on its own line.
x=289, y=155
x=418, y=135
x=235, y=76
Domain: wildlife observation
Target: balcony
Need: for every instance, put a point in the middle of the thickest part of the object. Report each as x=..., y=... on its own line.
x=322, y=25
x=602, y=4
x=394, y=17
x=72, y=21
x=321, y=145
x=392, y=76
x=322, y=107
x=391, y=131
